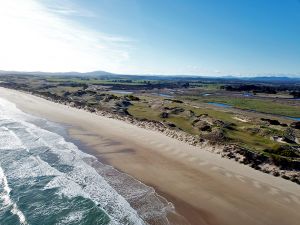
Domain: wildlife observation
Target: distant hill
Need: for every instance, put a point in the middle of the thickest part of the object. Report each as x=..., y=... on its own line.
x=274, y=79
x=94, y=73
x=286, y=79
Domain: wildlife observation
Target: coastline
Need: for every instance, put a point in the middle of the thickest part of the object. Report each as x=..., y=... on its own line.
x=174, y=217
x=271, y=165
x=215, y=188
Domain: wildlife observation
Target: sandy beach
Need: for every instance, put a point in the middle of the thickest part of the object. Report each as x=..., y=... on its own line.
x=205, y=188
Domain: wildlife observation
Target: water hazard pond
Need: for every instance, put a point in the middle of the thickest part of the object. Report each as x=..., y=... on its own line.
x=121, y=92
x=220, y=104
x=230, y=106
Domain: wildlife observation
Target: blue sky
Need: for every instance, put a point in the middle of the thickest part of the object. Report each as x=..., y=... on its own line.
x=204, y=37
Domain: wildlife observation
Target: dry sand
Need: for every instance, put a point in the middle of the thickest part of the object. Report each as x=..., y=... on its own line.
x=205, y=188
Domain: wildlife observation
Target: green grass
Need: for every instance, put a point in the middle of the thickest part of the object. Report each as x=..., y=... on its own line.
x=184, y=124
x=60, y=90
x=264, y=106
x=251, y=141
x=207, y=87
x=240, y=135
x=142, y=111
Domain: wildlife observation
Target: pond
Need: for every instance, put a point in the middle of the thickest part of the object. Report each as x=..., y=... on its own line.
x=163, y=95
x=229, y=106
x=293, y=118
x=220, y=104
x=248, y=94
x=121, y=92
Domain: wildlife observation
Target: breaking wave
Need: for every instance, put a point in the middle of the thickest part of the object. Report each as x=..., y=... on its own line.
x=45, y=178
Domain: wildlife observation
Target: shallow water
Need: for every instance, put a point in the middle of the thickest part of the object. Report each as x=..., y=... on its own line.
x=229, y=106
x=45, y=179
x=121, y=92
x=220, y=104
x=248, y=94
x=294, y=118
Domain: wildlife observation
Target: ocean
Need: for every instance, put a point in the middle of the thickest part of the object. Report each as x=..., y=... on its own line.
x=45, y=180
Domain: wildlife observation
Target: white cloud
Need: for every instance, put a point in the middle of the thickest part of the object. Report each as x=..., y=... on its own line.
x=35, y=36
x=67, y=8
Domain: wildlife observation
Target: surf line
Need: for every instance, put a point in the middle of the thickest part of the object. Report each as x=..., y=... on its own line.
x=7, y=202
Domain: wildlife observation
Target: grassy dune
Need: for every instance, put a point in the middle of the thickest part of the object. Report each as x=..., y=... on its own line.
x=239, y=135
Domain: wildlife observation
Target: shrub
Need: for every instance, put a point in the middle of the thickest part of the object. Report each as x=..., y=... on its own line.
x=132, y=98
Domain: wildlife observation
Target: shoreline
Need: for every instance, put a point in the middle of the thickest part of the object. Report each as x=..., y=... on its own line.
x=216, y=186
x=173, y=216
x=230, y=151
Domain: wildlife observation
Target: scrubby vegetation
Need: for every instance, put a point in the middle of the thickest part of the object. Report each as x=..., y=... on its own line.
x=257, y=126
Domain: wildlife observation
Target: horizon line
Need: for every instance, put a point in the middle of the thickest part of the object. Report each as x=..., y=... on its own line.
x=293, y=75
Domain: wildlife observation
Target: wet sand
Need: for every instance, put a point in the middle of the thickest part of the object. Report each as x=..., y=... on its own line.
x=205, y=188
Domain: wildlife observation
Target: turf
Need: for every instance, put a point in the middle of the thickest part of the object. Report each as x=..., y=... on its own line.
x=240, y=135
x=259, y=105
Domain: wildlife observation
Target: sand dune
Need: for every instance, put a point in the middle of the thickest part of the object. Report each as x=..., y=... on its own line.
x=205, y=188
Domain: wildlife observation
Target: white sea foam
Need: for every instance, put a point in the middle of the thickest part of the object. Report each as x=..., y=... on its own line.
x=34, y=144
x=8, y=140
x=73, y=217
x=19, y=213
x=31, y=166
x=67, y=187
x=7, y=202
x=6, y=190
